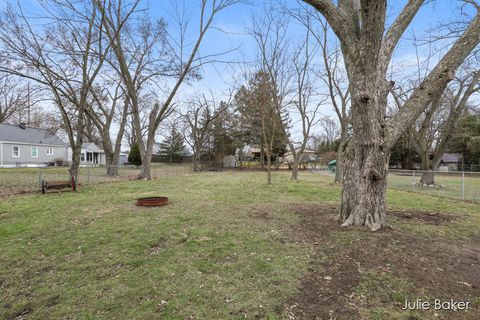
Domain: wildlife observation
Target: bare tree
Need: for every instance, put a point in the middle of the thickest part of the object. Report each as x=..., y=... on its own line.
x=332, y=75
x=289, y=84
x=436, y=126
x=331, y=130
x=367, y=46
x=339, y=96
x=65, y=56
x=306, y=99
x=145, y=102
x=13, y=98
x=198, y=123
x=140, y=62
x=109, y=105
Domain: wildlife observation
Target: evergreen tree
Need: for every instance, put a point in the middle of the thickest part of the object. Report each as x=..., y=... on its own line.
x=466, y=139
x=134, y=155
x=258, y=117
x=223, y=141
x=173, y=146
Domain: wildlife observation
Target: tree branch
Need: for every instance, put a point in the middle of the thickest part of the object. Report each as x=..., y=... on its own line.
x=397, y=29
x=340, y=24
x=435, y=82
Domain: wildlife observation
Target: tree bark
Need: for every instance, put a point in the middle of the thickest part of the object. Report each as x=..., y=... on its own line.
x=339, y=160
x=294, y=176
x=75, y=165
x=364, y=189
x=269, y=168
x=196, y=163
x=367, y=50
x=295, y=165
x=428, y=178
x=262, y=159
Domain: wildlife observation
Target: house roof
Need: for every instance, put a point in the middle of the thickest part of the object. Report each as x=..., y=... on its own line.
x=306, y=151
x=91, y=147
x=451, y=158
x=15, y=133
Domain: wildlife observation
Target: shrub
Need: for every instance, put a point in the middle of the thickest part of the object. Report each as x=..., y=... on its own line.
x=134, y=155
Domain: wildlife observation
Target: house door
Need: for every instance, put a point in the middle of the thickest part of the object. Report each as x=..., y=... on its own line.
x=95, y=158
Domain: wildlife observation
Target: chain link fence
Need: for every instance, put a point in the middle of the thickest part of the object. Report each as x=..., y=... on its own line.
x=453, y=184
x=29, y=179
x=18, y=178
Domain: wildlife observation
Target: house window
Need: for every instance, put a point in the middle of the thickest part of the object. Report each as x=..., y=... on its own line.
x=34, y=152
x=89, y=156
x=16, y=151
x=82, y=157
x=49, y=151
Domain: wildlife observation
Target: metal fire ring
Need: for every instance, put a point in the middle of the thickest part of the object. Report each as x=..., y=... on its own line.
x=152, y=201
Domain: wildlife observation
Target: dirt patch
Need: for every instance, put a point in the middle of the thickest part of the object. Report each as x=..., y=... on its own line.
x=434, y=218
x=261, y=214
x=343, y=259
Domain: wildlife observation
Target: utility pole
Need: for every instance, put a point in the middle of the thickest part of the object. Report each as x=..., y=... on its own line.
x=28, y=104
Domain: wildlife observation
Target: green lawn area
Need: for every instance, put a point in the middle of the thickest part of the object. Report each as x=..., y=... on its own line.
x=227, y=247
x=449, y=184
x=21, y=180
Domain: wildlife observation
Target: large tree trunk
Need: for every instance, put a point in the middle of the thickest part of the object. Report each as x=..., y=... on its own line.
x=294, y=176
x=269, y=167
x=262, y=159
x=76, y=144
x=196, y=163
x=364, y=189
x=428, y=169
x=146, y=168
x=428, y=178
x=75, y=165
x=146, y=152
x=111, y=159
x=296, y=160
x=367, y=50
x=366, y=165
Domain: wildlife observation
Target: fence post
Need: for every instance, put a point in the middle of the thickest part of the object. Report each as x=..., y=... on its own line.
x=463, y=185
x=40, y=177
x=413, y=181
x=88, y=175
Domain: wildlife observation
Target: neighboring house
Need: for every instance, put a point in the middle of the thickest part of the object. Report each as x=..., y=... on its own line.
x=23, y=146
x=450, y=162
x=254, y=153
x=156, y=148
x=308, y=155
x=91, y=155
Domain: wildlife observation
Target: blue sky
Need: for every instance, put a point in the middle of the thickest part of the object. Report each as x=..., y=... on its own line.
x=234, y=22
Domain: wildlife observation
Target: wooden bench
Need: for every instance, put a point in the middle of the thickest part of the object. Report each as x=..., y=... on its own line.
x=58, y=185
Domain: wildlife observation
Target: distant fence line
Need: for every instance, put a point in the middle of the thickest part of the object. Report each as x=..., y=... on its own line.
x=28, y=179
x=454, y=184
x=450, y=184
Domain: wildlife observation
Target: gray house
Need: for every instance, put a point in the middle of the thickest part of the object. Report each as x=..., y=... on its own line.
x=23, y=146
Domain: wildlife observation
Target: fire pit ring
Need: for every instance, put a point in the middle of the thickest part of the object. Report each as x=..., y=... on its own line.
x=152, y=201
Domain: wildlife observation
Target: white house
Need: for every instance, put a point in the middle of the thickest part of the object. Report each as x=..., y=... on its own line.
x=91, y=155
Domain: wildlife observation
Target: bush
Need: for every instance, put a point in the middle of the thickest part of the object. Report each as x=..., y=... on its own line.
x=134, y=155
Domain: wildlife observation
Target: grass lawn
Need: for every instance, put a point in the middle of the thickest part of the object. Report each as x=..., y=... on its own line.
x=21, y=180
x=449, y=184
x=230, y=247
